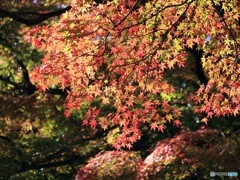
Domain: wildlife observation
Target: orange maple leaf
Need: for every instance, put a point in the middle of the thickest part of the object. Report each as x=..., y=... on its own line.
x=170, y=64
x=154, y=126
x=205, y=120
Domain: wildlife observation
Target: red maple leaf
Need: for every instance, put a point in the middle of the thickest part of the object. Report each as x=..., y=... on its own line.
x=176, y=123
x=67, y=113
x=129, y=102
x=85, y=122
x=93, y=123
x=161, y=128
x=115, y=50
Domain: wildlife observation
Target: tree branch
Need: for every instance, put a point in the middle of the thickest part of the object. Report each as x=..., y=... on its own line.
x=28, y=86
x=197, y=55
x=18, y=16
x=71, y=159
x=125, y=17
x=8, y=81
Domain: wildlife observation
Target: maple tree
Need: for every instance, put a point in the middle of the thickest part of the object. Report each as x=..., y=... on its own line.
x=119, y=52
x=124, y=67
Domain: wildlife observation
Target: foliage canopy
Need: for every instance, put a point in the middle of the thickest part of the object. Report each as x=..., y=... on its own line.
x=120, y=52
x=123, y=68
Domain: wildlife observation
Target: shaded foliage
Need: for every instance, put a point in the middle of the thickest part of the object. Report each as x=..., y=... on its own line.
x=189, y=155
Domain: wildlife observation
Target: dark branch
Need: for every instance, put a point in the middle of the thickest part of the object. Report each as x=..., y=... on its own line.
x=25, y=87
x=71, y=159
x=125, y=17
x=197, y=55
x=158, y=12
x=57, y=91
x=28, y=86
x=18, y=16
x=8, y=81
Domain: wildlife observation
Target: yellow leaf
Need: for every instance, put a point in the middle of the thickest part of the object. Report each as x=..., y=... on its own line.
x=205, y=120
x=169, y=117
x=150, y=87
x=141, y=84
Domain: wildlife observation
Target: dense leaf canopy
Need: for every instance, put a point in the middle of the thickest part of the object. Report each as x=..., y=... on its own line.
x=119, y=53
x=122, y=89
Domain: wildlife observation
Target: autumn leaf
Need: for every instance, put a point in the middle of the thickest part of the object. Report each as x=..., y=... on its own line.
x=115, y=50
x=161, y=128
x=149, y=87
x=169, y=117
x=67, y=113
x=147, y=104
x=170, y=64
x=140, y=54
x=154, y=126
x=105, y=100
x=93, y=123
x=103, y=124
x=96, y=112
x=85, y=122
x=129, y=102
x=210, y=114
x=129, y=146
x=176, y=123
x=205, y=120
